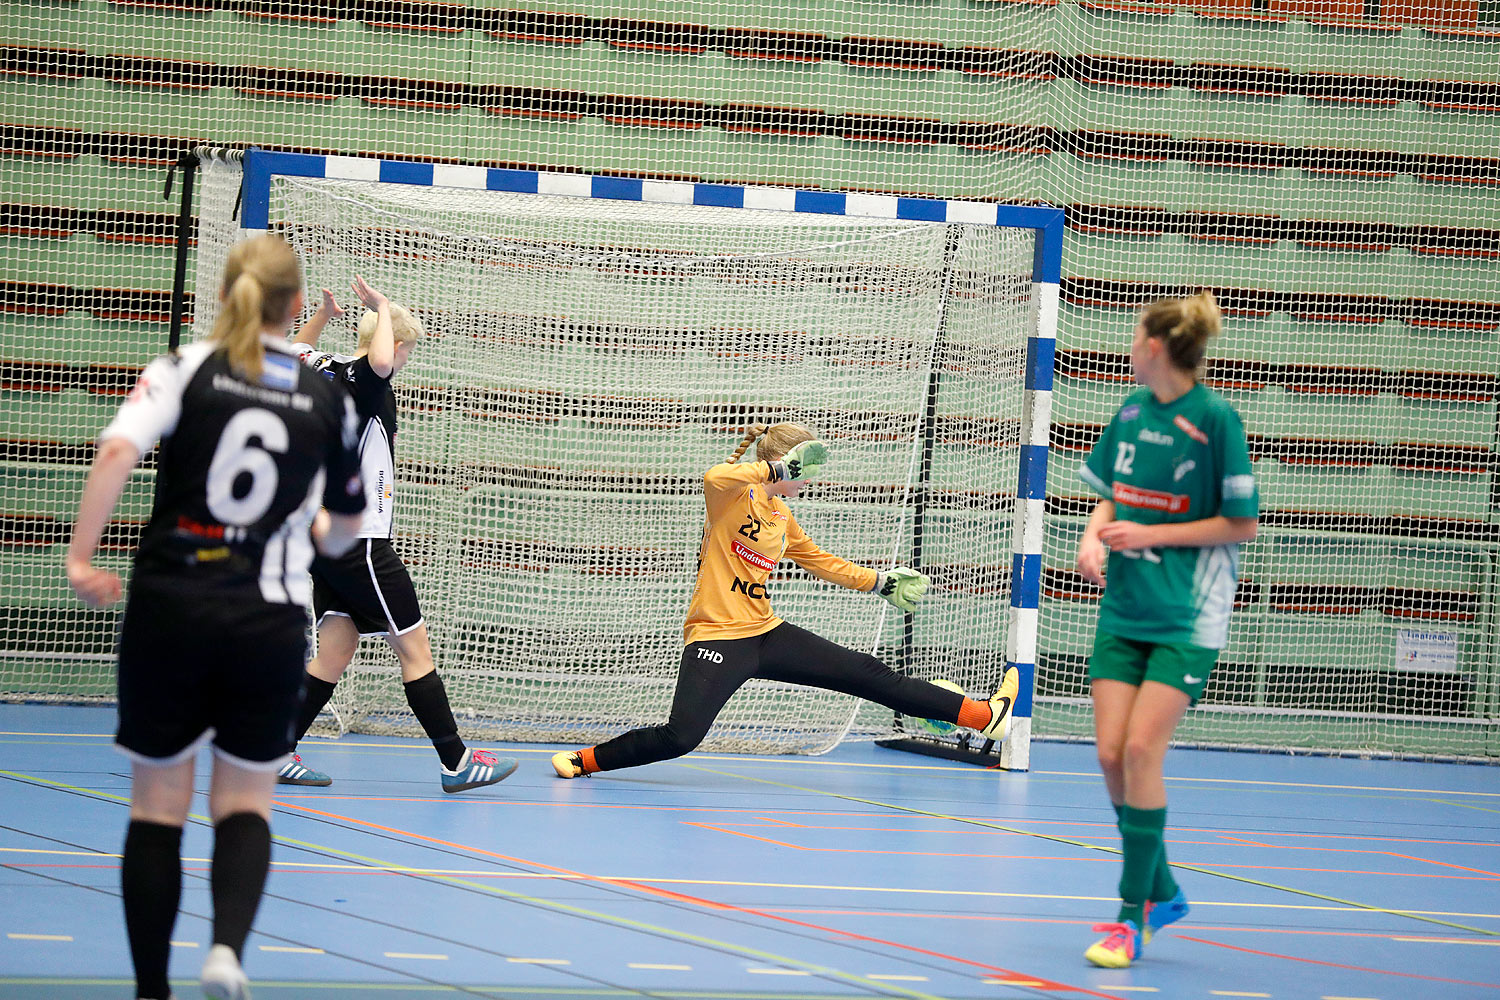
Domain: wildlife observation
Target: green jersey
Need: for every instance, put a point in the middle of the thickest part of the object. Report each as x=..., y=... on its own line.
x=1183, y=461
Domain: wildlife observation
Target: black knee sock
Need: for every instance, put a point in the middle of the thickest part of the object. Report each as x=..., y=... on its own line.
x=315, y=694
x=429, y=703
x=242, y=856
x=151, y=886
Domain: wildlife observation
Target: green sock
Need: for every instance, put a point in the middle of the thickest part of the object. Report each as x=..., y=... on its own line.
x=1163, y=885
x=1140, y=834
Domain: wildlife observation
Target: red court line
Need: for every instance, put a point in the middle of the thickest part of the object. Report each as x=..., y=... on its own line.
x=1339, y=965
x=759, y=813
x=1221, y=835
x=1361, y=850
x=1484, y=876
x=1445, y=864
x=1041, y=983
x=998, y=918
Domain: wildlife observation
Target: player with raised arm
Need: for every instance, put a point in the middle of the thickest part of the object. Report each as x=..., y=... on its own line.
x=215, y=630
x=1179, y=497
x=367, y=591
x=731, y=634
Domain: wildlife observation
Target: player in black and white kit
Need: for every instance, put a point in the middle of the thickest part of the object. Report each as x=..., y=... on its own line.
x=367, y=591
x=214, y=635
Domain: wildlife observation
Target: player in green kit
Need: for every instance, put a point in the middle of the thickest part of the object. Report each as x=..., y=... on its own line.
x=1179, y=497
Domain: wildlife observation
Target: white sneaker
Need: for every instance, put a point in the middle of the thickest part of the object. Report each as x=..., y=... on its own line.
x=222, y=978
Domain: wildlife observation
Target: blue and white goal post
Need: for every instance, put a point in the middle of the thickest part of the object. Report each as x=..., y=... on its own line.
x=1043, y=226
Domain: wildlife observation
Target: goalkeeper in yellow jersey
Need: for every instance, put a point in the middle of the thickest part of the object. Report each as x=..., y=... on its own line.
x=732, y=635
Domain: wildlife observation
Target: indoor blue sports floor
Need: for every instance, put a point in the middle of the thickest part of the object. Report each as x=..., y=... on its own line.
x=864, y=873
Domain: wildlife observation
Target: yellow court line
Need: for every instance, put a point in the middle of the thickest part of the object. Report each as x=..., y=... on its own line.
x=1430, y=940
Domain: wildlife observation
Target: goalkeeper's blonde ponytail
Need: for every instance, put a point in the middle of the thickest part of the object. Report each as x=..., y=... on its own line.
x=774, y=441
x=261, y=277
x=751, y=433
x=1185, y=326
x=780, y=439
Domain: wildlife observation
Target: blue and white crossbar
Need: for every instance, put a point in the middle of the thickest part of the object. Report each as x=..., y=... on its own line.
x=1046, y=274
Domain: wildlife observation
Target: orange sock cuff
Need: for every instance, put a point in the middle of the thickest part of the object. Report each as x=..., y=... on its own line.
x=587, y=757
x=974, y=714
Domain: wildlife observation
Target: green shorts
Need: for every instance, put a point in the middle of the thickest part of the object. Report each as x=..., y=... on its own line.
x=1176, y=664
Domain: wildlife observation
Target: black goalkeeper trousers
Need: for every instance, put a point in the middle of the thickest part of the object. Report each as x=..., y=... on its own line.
x=713, y=670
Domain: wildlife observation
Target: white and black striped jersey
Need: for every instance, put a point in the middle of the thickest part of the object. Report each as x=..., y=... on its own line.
x=242, y=468
x=375, y=402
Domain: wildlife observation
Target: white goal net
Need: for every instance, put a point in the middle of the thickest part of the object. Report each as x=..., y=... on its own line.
x=587, y=360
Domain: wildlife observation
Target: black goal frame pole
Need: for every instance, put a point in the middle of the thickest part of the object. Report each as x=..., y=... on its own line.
x=188, y=162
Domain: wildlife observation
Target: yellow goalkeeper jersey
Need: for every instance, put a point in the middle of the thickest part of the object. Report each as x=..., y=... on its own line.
x=746, y=533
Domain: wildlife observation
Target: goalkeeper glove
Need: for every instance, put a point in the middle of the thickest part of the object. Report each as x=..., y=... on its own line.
x=902, y=587
x=804, y=460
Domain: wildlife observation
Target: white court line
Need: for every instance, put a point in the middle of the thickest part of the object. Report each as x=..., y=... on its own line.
x=415, y=954
x=1013, y=982
x=288, y=949
x=1233, y=993
x=93, y=735
x=184, y=944
x=40, y=937
x=540, y=961
x=893, y=977
x=655, y=965
x=960, y=768
x=739, y=883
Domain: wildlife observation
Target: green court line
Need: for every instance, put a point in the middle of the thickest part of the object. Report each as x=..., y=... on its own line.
x=1091, y=847
x=554, y=905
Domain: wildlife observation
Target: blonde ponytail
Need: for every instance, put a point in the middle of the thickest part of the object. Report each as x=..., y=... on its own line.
x=751, y=433
x=261, y=276
x=1185, y=326
x=780, y=439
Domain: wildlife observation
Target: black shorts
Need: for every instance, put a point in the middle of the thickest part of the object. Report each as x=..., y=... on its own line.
x=369, y=585
x=196, y=664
